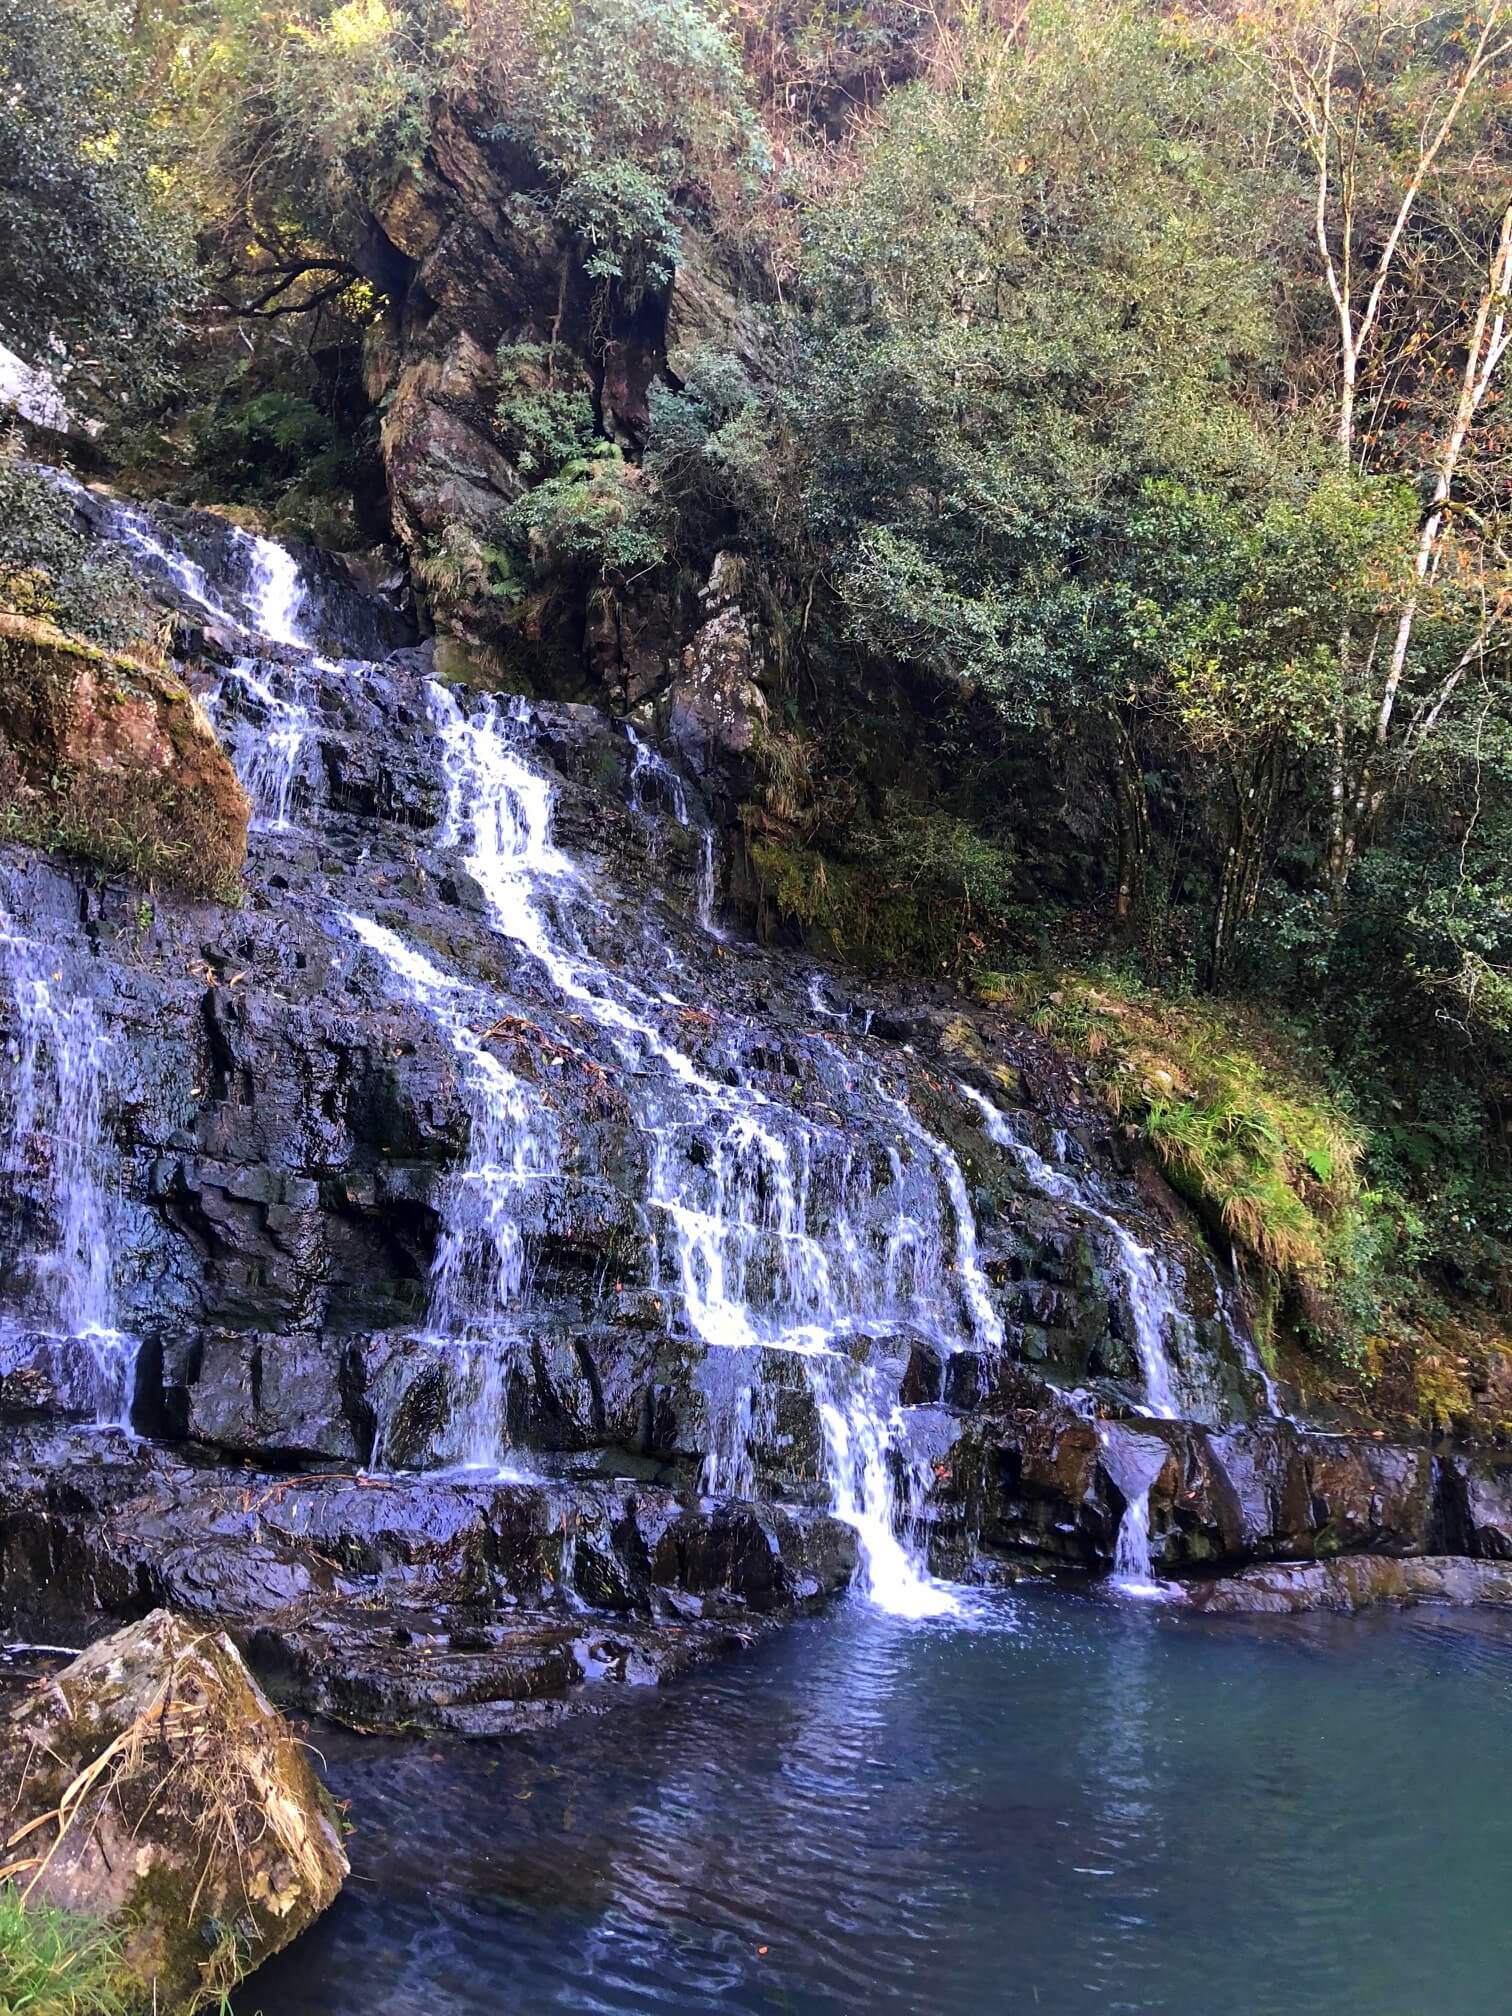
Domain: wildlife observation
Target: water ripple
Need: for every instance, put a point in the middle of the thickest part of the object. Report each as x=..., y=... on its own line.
x=1048, y=1805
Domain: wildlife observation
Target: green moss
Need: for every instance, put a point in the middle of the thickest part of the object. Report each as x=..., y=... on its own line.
x=74, y=779
x=1245, y=1125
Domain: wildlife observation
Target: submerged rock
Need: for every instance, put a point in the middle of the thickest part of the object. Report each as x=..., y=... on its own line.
x=152, y=1786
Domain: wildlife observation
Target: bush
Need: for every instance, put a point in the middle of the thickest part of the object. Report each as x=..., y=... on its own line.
x=916, y=890
x=51, y=570
x=596, y=515
x=92, y=256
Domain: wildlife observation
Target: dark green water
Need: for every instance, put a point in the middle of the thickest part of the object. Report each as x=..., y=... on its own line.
x=1068, y=1808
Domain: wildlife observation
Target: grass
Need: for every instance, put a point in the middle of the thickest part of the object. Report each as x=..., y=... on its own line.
x=1245, y=1127
x=54, y=1964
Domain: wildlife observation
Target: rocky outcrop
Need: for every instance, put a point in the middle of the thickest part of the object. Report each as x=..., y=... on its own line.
x=150, y=1785
x=714, y=711
x=1357, y=1584
x=111, y=760
x=405, y=1601
x=1040, y=1485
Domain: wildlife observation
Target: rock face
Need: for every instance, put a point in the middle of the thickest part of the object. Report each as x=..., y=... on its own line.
x=714, y=710
x=1039, y=1484
x=1354, y=1585
x=112, y=760
x=460, y=1212
x=407, y=1602
x=151, y=1785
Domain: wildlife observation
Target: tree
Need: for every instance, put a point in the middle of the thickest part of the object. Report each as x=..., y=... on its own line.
x=1396, y=109
x=94, y=263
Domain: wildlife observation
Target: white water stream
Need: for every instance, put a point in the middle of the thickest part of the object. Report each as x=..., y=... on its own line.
x=778, y=1234
x=59, y=1074
x=1151, y=1286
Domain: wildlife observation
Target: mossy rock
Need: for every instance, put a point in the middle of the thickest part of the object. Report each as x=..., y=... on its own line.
x=151, y=1788
x=111, y=760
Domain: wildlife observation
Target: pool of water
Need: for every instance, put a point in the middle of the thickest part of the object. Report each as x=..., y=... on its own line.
x=1066, y=1806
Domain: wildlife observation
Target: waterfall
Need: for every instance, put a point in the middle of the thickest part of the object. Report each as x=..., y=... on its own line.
x=649, y=769
x=479, y=1271
x=1151, y=1285
x=267, y=750
x=653, y=779
x=1134, y=1462
x=737, y=1182
x=60, y=1063
x=792, y=1248
x=708, y=882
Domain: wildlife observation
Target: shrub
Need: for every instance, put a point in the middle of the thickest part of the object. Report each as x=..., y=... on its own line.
x=51, y=570
x=596, y=515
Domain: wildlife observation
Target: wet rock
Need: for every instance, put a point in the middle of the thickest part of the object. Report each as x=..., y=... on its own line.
x=440, y=1602
x=152, y=1786
x=714, y=710
x=1271, y=1491
x=1482, y=1507
x=43, y=1376
x=1353, y=1584
x=289, y=1397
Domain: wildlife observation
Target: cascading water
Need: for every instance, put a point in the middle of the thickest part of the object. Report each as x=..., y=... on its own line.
x=60, y=1073
x=653, y=781
x=708, y=882
x=739, y=1183
x=655, y=784
x=479, y=1272
x=1134, y=1462
x=1150, y=1286
x=270, y=748
x=786, y=1241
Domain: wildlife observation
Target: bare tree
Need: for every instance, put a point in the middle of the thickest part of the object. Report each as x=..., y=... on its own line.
x=1374, y=162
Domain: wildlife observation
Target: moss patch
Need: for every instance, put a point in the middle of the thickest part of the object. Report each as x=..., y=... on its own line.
x=109, y=759
x=1244, y=1124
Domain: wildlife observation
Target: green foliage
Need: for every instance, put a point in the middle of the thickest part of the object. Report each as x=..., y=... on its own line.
x=460, y=566
x=314, y=110
x=993, y=365
x=55, y=1964
x=50, y=569
x=547, y=424
x=94, y=263
x=595, y=516
x=915, y=888
x=635, y=111
x=1247, y=1126
x=709, y=455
